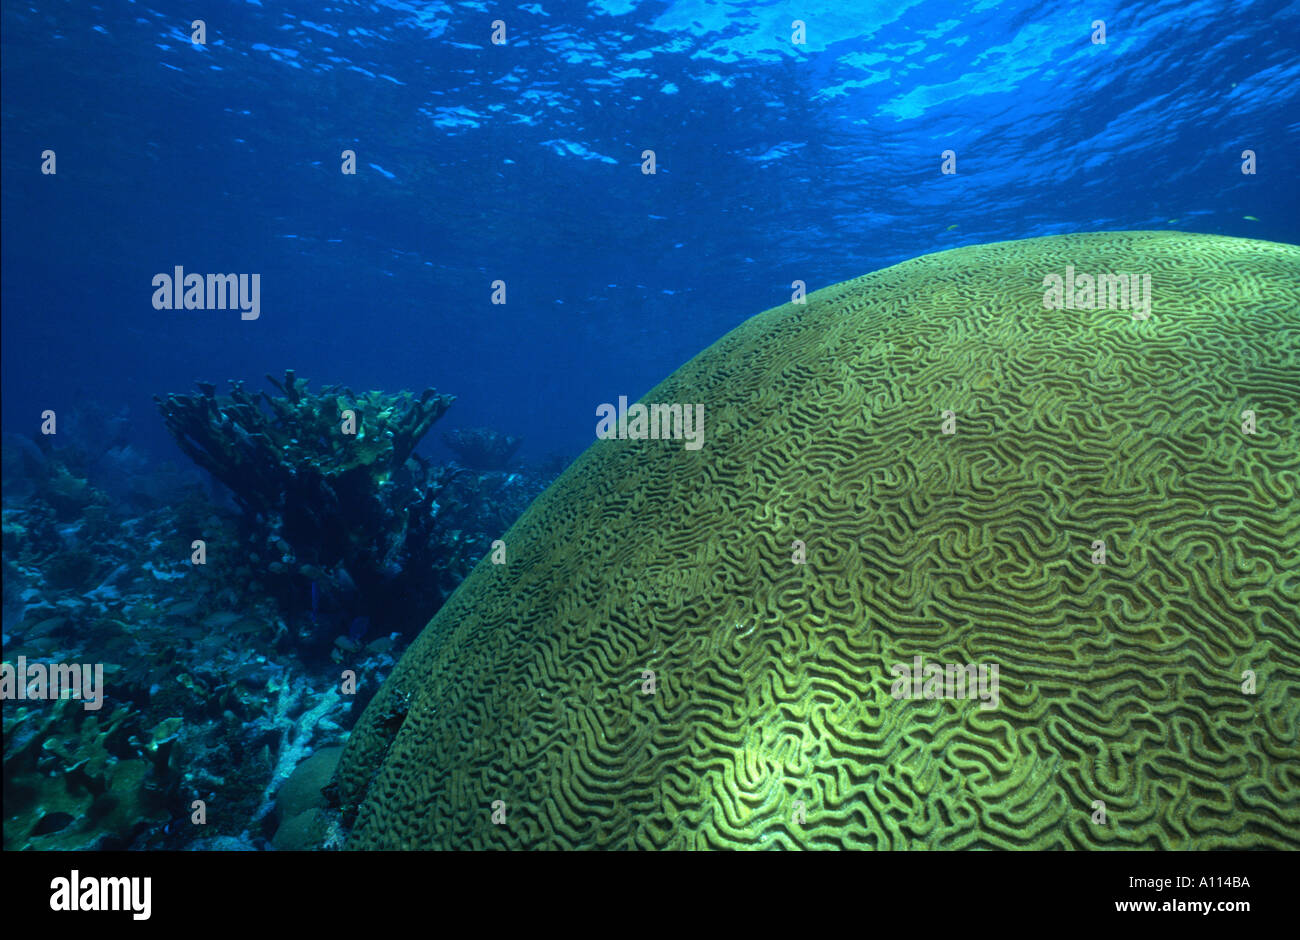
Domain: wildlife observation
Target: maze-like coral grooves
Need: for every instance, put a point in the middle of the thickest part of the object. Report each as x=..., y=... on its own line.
x=1120, y=683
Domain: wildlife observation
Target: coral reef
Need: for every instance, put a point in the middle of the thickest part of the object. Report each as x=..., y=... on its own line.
x=262, y=446
x=195, y=708
x=74, y=780
x=774, y=720
x=482, y=448
x=209, y=694
x=329, y=506
x=22, y=466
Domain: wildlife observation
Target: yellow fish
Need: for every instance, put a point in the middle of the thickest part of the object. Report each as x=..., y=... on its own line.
x=1250, y=218
x=950, y=228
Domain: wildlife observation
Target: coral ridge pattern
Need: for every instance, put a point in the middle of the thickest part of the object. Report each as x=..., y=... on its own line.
x=524, y=716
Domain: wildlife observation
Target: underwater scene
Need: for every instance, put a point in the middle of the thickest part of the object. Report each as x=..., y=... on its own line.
x=680, y=424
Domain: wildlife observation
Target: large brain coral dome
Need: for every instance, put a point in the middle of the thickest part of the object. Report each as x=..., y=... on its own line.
x=1146, y=697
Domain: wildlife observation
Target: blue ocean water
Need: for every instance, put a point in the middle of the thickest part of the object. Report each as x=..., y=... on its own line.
x=130, y=149
x=521, y=162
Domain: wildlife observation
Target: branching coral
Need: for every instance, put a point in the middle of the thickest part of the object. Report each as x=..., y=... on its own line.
x=323, y=479
x=268, y=450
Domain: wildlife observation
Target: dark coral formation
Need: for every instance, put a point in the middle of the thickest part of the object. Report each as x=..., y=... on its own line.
x=261, y=446
x=774, y=719
x=482, y=448
x=340, y=505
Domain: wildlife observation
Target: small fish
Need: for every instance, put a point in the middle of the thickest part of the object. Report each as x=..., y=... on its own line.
x=1250, y=218
x=381, y=645
x=183, y=609
x=220, y=620
x=950, y=228
x=49, y=625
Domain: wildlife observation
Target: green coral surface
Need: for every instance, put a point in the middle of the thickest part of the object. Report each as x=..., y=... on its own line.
x=1124, y=686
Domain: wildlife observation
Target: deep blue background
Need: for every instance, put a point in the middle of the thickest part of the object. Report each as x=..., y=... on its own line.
x=522, y=162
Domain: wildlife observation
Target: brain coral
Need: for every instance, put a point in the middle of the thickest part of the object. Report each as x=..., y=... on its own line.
x=1126, y=715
